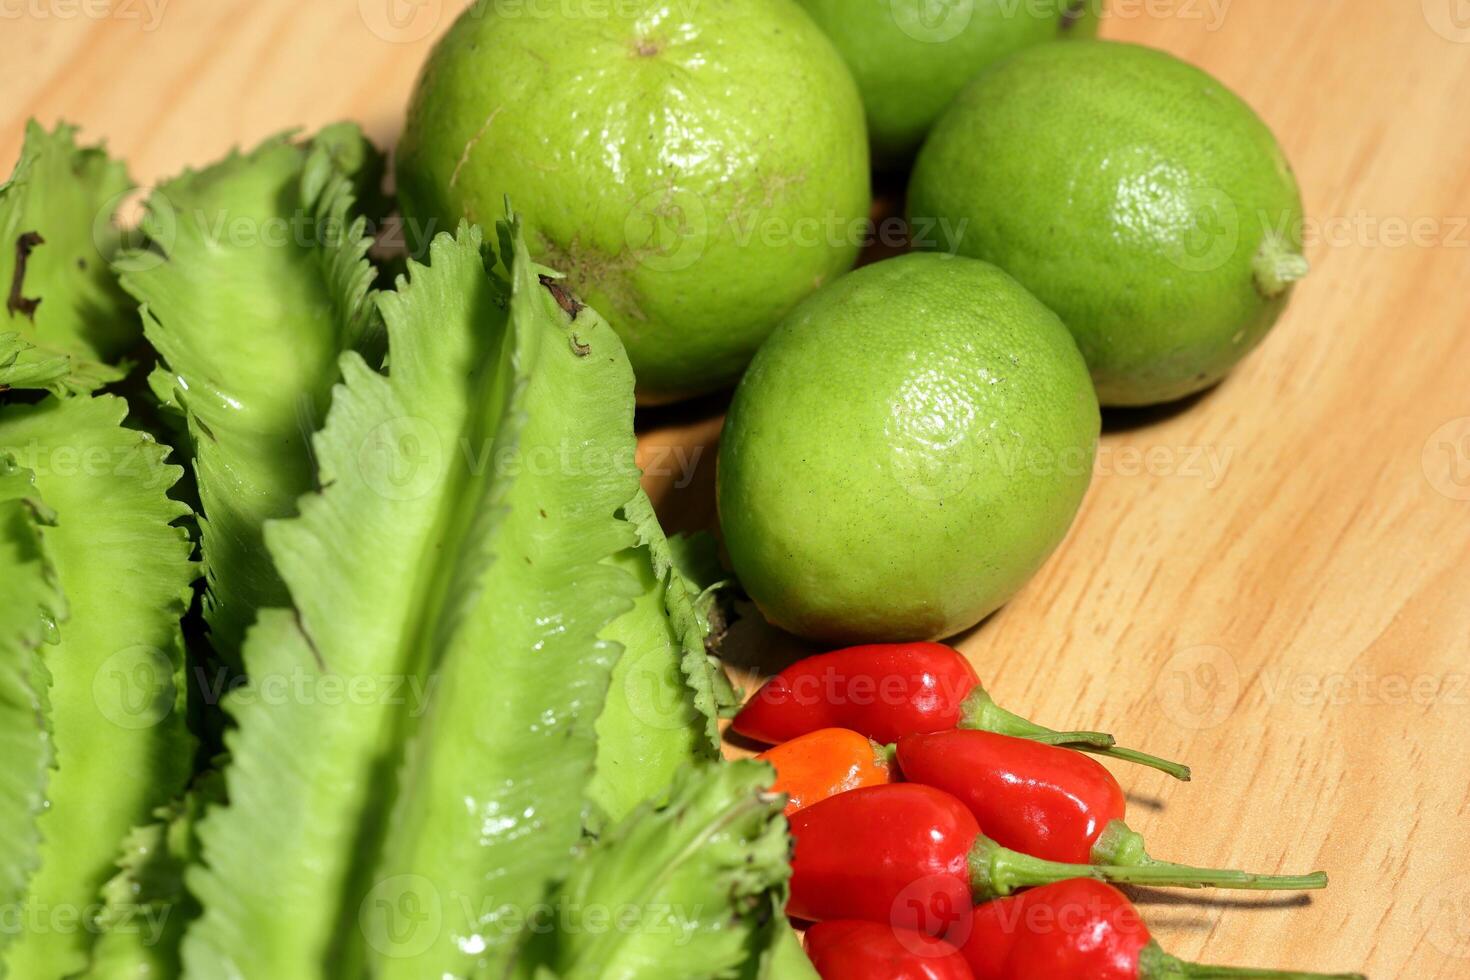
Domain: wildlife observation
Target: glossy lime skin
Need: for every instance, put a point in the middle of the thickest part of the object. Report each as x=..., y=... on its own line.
x=904, y=452
x=1134, y=195
x=695, y=169
x=912, y=57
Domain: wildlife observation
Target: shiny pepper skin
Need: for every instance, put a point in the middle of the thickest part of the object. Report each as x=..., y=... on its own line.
x=823, y=763
x=1042, y=800
x=888, y=690
x=1085, y=929
x=1055, y=804
x=848, y=949
x=1075, y=928
x=896, y=854
x=881, y=690
x=915, y=856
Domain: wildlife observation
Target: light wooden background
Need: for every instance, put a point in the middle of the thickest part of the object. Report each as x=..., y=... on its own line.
x=1272, y=584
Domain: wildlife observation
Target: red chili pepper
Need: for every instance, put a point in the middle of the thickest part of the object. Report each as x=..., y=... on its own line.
x=888, y=690
x=823, y=763
x=1047, y=802
x=1083, y=928
x=914, y=856
x=852, y=950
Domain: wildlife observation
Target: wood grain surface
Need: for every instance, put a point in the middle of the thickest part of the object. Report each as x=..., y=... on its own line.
x=1271, y=582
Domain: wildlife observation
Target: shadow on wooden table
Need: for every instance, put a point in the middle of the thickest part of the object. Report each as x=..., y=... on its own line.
x=1133, y=419
x=1209, y=899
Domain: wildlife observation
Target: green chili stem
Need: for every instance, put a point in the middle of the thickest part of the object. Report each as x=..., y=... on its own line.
x=996, y=872
x=1155, y=964
x=980, y=711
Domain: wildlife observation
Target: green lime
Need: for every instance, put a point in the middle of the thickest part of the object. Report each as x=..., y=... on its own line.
x=912, y=57
x=904, y=452
x=694, y=169
x=1134, y=195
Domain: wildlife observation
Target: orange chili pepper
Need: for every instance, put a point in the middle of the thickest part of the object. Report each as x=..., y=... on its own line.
x=828, y=761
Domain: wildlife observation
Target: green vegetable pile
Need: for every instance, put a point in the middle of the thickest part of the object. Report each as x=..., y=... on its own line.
x=338, y=638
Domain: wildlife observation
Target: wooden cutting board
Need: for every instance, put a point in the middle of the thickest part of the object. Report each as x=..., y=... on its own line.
x=1272, y=583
